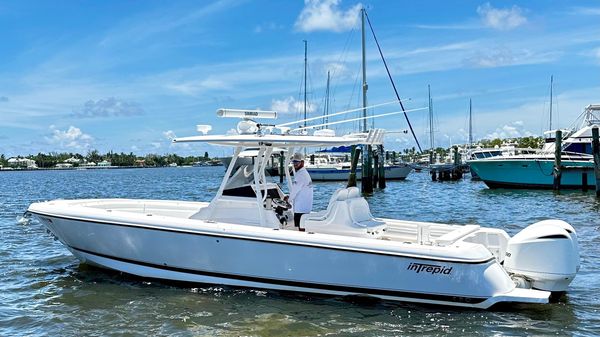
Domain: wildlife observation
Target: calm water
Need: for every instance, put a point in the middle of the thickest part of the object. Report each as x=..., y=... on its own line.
x=44, y=290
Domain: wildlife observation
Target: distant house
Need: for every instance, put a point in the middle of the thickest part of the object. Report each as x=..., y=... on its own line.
x=104, y=163
x=74, y=160
x=88, y=164
x=140, y=162
x=64, y=165
x=22, y=162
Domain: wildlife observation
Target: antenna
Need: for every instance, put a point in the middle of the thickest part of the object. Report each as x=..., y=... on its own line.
x=246, y=114
x=365, y=86
x=305, y=71
x=470, y=124
x=551, y=85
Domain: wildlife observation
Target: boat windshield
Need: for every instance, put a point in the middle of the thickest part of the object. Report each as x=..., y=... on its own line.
x=243, y=176
x=240, y=184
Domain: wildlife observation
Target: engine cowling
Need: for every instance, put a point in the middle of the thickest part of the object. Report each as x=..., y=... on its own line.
x=546, y=254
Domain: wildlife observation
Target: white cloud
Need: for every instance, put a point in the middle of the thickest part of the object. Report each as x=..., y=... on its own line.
x=193, y=88
x=502, y=56
x=156, y=145
x=338, y=70
x=268, y=26
x=596, y=55
x=501, y=19
x=72, y=138
x=108, y=107
x=290, y=104
x=446, y=27
x=492, y=58
x=169, y=134
x=511, y=130
x=325, y=15
x=586, y=11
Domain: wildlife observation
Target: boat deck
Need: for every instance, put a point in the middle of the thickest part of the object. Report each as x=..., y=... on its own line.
x=403, y=231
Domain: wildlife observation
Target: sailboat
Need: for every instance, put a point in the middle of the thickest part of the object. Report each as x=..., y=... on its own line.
x=450, y=168
x=330, y=167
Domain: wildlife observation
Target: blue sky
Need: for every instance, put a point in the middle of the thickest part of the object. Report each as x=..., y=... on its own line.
x=129, y=75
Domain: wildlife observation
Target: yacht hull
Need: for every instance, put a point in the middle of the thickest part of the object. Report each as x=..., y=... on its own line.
x=514, y=173
x=282, y=260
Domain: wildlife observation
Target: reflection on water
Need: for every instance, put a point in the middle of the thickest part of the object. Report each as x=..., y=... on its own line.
x=47, y=292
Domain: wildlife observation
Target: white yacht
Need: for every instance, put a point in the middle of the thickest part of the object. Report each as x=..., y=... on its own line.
x=242, y=238
x=326, y=167
x=533, y=169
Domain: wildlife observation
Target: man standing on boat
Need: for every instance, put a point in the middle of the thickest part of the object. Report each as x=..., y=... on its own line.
x=301, y=193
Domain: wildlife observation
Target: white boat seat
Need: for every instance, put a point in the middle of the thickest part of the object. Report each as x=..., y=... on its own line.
x=349, y=215
x=353, y=192
x=455, y=235
x=321, y=215
x=361, y=215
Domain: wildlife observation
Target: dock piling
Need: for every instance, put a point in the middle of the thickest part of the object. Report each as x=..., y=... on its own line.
x=375, y=168
x=596, y=153
x=382, y=161
x=366, y=185
x=557, y=171
x=354, y=163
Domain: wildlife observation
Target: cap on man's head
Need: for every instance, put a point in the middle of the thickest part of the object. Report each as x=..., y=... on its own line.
x=298, y=157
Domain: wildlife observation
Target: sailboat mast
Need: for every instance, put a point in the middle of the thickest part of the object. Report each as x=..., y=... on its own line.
x=364, y=71
x=430, y=118
x=305, y=72
x=326, y=119
x=551, y=85
x=470, y=124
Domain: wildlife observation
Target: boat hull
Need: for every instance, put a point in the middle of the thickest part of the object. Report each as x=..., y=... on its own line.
x=333, y=174
x=279, y=263
x=514, y=173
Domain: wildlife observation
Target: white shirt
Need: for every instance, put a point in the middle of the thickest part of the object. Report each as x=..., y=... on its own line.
x=301, y=194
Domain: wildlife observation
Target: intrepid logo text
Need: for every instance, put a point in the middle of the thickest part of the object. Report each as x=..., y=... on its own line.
x=429, y=268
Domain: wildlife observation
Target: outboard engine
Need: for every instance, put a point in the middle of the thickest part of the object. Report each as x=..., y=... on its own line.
x=544, y=256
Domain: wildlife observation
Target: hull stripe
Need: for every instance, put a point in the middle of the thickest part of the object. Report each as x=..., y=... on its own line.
x=299, y=284
x=499, y=184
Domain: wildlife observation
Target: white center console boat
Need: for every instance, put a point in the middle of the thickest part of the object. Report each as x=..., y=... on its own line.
x=242, y=238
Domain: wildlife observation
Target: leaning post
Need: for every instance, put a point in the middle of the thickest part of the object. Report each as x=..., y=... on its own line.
x=557, y=171
x=596, y=153
x=354, y=163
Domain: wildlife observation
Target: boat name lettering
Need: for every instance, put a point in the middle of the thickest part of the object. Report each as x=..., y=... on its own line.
x=429, y=268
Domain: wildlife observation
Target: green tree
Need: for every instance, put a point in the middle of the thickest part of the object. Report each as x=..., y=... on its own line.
x=94, y=156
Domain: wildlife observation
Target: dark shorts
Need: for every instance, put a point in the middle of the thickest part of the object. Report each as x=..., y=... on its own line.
x=297, y=217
